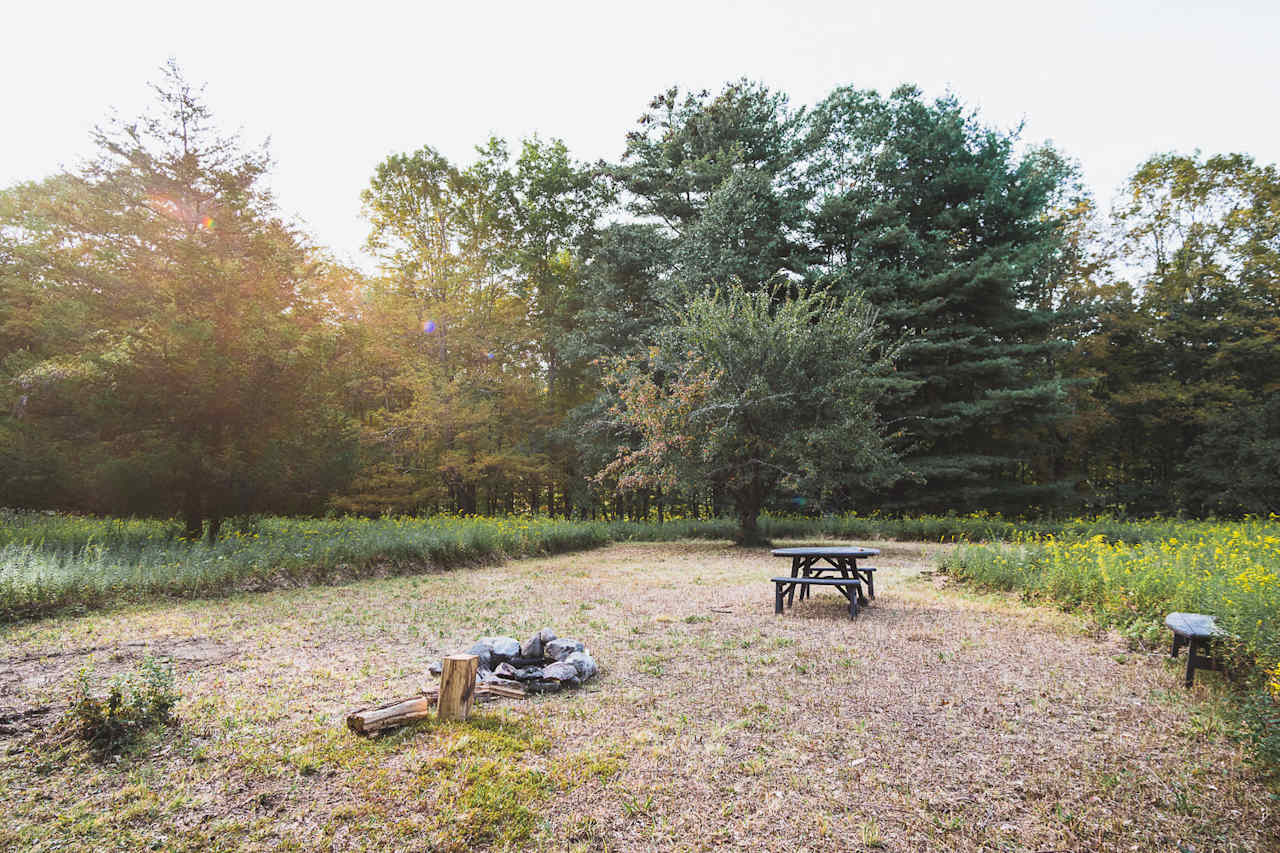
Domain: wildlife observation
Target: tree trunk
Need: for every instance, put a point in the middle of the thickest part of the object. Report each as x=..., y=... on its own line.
x=748, y=529
x=748, y=503
x=193, y=515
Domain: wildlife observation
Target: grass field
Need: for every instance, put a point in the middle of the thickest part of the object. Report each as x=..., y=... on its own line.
x=51, y=563
x=941, y=719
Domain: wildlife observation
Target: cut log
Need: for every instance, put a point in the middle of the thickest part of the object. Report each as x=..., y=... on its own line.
x=493, y=691
x=457, y=686
x=366, y=721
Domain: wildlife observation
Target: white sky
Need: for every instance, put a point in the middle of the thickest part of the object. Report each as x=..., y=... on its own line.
x=340, y=85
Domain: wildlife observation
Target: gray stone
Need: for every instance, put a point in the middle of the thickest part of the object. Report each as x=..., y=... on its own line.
x=503, y=647
x=484, y=652
x=561, y=649
x=506, y=670
x=434, y=668
x=565, y=673
x=546, y=635
x=532, y=647
x=583, y=663
x=529, y=673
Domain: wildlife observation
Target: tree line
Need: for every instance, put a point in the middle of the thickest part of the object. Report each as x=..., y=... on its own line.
x=877, y=303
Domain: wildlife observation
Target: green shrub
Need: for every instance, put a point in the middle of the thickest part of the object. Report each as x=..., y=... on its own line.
x=134, y=703
x=1260, y=719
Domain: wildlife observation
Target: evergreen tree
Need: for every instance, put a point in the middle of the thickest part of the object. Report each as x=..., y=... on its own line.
x=199, y=372
x=951, y=236
x=719, y=175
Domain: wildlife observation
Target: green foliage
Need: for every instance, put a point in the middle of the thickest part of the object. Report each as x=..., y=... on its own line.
x=719, y=174
x=169, y=344
x=951, y=236
x=750, y=391
x=469, y=327
x=1184, y=414
x=1260, y=720
x=52, y=563
x=134, y=703
x=193, y=367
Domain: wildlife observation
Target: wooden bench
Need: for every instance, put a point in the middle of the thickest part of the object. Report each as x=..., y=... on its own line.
x=785, y=588
x=1197, y=632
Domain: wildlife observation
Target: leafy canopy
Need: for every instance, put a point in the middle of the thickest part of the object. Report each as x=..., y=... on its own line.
x=753, y=391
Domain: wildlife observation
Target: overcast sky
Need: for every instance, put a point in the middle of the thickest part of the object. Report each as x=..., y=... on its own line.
x=338, y=86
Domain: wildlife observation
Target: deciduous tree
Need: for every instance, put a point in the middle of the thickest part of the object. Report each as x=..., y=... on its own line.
x=754, y=390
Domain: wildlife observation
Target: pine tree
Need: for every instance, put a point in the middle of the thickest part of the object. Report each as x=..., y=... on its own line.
x=950, y=236
x=200, y=376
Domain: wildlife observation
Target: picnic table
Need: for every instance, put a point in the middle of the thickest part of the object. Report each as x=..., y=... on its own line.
x=811, y=566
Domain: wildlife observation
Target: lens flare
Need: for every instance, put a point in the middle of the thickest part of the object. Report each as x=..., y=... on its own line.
x=428, y=327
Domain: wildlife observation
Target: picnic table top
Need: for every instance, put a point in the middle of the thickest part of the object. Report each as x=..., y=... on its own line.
x=828, y=551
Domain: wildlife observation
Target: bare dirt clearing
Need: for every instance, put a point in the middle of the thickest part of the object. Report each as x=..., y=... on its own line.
x=936, y=720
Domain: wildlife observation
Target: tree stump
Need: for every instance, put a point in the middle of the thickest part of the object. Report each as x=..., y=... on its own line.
x=457, y=686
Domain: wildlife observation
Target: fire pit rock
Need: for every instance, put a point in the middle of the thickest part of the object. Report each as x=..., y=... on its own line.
x=562, y=648
x=583, y=664
x=542, y=664
x=504, y=648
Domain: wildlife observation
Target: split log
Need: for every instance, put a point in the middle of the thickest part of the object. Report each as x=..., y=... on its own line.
x=457, y=686
x=493, y=691
x=366, y=721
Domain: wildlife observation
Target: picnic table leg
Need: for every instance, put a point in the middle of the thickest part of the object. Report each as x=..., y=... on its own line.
x=797, y=570
x=802, y=566
x=853, y=592
x=849, y=568
x=777, y=597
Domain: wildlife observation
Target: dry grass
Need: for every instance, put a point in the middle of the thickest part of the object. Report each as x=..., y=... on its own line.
x=937, y=720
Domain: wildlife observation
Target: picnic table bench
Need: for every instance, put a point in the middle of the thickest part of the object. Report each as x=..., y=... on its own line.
x=1197, y=632
x=810, y=567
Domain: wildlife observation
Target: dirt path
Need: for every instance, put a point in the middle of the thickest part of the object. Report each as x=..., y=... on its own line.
x=936, y=720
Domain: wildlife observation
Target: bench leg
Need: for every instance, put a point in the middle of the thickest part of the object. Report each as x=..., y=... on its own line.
x=1178, y=643
x=777, y=598
x=1199, y=656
